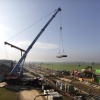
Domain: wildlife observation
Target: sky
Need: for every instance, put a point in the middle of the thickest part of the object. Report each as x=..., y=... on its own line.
x=22, y=20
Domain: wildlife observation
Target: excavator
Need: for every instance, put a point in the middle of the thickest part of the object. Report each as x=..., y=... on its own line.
x=87, y=72
x=15, y=75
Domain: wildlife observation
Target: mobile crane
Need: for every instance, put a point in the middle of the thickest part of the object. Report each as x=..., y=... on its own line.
x=15, y=75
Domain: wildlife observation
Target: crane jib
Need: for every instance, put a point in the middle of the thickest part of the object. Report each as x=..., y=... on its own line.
x=28, y=49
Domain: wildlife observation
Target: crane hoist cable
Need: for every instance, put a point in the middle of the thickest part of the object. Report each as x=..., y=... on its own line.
x=33, y=24
x=60, y=55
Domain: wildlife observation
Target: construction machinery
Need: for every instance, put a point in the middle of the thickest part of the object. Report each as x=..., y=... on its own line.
x=16, y=73
x=87, y=72
x=90, y=73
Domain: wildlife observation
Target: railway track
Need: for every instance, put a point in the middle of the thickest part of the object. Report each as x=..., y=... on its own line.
x=85, y=86
x=81, y=86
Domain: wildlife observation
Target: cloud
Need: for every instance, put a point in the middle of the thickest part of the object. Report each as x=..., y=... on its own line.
x=42, y=45
x=38, y=45
x=22, y=44
x=4, y=29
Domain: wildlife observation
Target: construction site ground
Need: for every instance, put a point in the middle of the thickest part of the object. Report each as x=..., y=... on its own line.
x=24, y=92
x=30, y=95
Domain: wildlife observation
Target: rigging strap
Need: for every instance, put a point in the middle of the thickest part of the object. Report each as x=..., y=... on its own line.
x=61, y=42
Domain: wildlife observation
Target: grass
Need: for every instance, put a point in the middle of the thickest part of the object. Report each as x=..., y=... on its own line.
x=70, y=67
x=7, y=95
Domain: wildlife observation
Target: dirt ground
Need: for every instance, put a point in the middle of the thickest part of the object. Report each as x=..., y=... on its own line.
x=29, y=95
x=24, y=94
x=2, y=84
